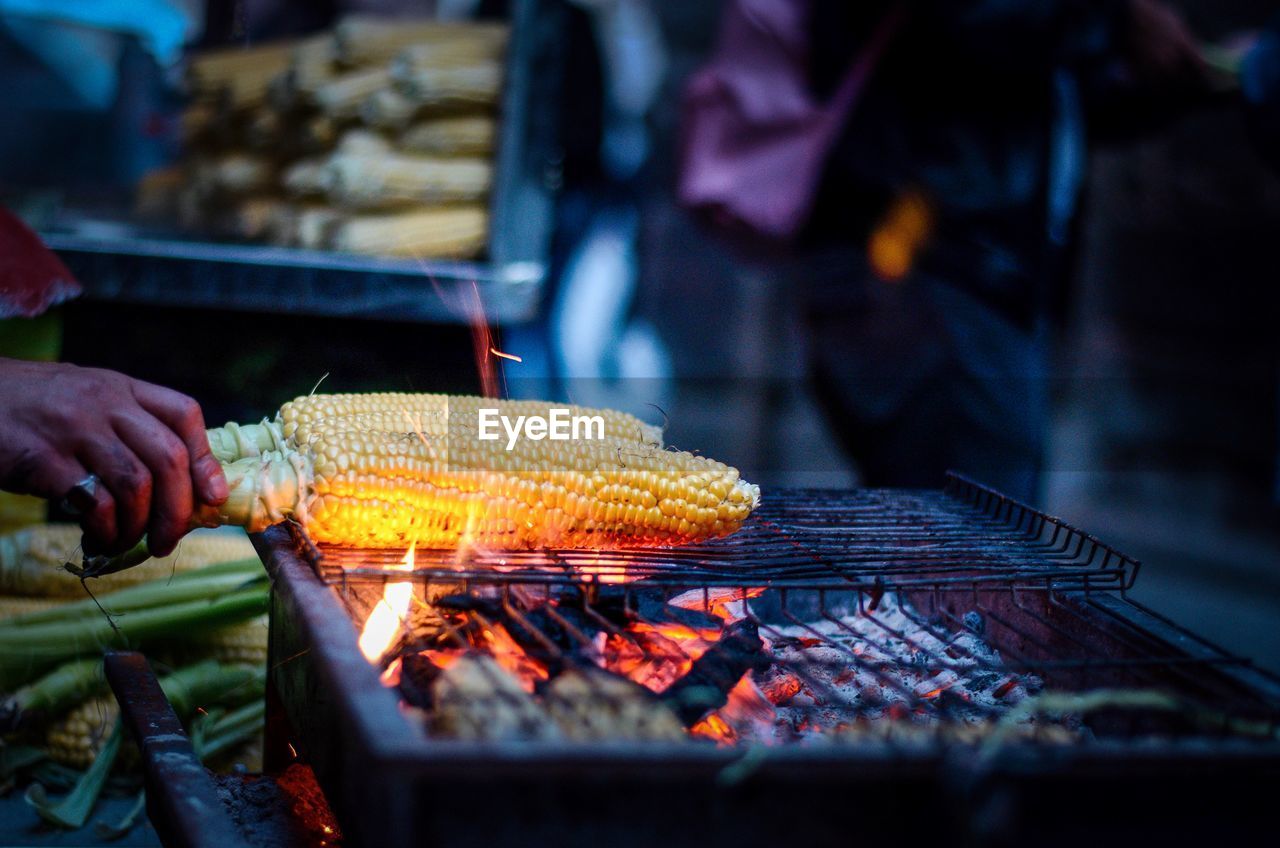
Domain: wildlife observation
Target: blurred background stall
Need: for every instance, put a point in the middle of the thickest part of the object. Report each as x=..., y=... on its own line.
x=389, y=213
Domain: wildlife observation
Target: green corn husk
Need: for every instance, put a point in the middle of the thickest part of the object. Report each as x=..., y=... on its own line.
x=26, y=652
x=186, y=689
x=206, y=582
x=73, y=810
x=56, y=692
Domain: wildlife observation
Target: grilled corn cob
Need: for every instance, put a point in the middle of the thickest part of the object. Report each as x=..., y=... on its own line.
x=31, y=561
x=470, y=135
x=387, y=488
x=453, y=232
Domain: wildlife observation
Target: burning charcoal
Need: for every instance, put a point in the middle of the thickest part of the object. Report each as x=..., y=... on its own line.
x=624, y=608
x=476, y=700
x=417, y=675
x=975, y=623
x=714, y=674
x=521, y=626
x=591, y=704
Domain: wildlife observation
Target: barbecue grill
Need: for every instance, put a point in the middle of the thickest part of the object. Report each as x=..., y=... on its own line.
x=917, y=636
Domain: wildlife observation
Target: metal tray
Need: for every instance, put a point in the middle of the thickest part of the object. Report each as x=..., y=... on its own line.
x=117, y=262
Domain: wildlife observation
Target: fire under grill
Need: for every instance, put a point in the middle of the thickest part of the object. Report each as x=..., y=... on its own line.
x=873, y=654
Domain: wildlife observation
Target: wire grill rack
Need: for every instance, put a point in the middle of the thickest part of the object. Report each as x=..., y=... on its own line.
x=815, y=539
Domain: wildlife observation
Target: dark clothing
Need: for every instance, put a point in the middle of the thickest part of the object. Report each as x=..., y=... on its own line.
x=975, y=105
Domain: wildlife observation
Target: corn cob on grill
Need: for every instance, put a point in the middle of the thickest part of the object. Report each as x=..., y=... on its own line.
x=385, y=471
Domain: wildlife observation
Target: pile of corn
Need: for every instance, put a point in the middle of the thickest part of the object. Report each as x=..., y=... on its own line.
x=376, y=137
x=38, y=595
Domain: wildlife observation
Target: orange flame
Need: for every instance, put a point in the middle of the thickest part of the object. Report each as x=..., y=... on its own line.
x=656, y=655
x=385, y=619
x=747, y=705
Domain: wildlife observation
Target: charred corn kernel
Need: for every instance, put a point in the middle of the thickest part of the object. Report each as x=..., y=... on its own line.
x=455, y=232
x=468, y=135
x=76, y=738
x=31, y=560
x=371, y=180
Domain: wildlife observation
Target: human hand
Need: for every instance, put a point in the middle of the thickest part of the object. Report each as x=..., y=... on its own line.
x=1161, y=50
x=146, y=444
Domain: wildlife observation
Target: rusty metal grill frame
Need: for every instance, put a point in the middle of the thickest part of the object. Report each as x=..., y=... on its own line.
x=1053, y=602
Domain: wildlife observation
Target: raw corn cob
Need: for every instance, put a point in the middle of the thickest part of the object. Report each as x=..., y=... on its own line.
x=472, y=86
x=464, y=52
x=470, y=135
x=434, y=482
x=76, y=738
x=453, y=232
x=364, y=181
x=238, y=77
x=31, y=560
x=341, y=96
x=389, y=109
x=361, y=39
x=241, y=644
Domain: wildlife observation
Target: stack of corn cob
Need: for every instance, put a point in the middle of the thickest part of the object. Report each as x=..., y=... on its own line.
x=200, y=609
x=376, y=137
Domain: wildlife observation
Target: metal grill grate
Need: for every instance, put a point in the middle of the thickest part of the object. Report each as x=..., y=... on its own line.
x=819, y=539
x=941, y=607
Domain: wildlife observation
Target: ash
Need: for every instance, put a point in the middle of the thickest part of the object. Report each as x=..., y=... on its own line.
x=866, y=674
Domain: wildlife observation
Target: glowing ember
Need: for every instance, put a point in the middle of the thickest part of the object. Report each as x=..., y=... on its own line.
x=747, y=707
x=656, y=655
x=508, y=653
x=384, y=621
x=727, y=604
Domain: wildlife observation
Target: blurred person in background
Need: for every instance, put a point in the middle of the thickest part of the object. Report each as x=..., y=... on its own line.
x=953, y=194
x=946, y=204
